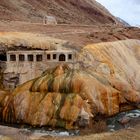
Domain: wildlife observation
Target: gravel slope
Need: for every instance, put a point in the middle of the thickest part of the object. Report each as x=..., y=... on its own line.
x=72, y=11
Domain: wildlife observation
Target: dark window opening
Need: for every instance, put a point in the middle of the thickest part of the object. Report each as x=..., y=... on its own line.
x=21, y=57
x=48, y=56
x=62, y=57
x=30, y=57
x=12, y=57
x=54, y=56
x=3, y=57
x=70, y=56
x=39, y=57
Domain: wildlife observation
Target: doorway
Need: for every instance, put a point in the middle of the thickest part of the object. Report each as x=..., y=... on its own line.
x=62, y=57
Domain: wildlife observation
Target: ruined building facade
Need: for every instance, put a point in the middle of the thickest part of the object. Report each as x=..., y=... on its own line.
x=24, y=65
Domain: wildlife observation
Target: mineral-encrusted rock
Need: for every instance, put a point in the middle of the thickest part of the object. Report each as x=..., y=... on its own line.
x=62, y=96
x=106, y=83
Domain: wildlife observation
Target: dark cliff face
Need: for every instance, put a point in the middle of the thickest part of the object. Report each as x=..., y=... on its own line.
x=71, y=12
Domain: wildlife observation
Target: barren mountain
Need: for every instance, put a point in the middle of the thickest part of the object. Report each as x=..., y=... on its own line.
x=65, y=11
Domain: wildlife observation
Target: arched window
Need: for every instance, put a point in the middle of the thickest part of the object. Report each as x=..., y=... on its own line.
x=62, y=57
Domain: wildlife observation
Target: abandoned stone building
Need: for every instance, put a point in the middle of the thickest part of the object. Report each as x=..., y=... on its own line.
x=22, y=65
x=50, y=20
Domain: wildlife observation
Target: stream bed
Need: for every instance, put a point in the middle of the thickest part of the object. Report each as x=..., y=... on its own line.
x=120, y=121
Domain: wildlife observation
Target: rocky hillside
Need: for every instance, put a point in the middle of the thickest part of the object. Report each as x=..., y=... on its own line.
x=72, y=11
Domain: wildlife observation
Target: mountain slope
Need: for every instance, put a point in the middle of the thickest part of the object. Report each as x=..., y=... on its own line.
x=72, y=11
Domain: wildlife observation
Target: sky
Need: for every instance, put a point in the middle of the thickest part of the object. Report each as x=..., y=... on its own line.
x=128, y=10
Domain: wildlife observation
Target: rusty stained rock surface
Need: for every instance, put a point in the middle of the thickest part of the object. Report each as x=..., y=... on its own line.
x=106, y=83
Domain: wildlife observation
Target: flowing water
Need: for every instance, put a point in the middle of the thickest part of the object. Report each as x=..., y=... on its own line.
x=114, y=122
